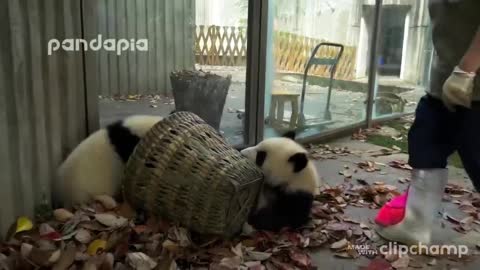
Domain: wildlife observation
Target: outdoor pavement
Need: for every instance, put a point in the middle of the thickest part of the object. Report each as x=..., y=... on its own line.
x=329, y=170
x=346, y=107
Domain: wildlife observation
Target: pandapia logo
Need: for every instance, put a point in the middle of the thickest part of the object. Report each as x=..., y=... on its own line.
x=111, y=44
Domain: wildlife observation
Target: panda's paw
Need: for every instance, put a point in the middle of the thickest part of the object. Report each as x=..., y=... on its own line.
x=247, y=229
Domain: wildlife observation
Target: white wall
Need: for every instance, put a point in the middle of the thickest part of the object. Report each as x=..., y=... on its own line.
x=323, y=19
x=221, y=12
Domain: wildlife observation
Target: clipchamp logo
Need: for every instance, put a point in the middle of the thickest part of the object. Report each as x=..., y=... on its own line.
x=111, y=44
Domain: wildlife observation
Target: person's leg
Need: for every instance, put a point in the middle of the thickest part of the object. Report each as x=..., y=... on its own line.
x=469, y=143
x=431, y=137
x=409, y=217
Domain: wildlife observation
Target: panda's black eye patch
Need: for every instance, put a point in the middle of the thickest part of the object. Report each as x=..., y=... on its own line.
x=290, y=134
x=299, y=161
x=260, y=158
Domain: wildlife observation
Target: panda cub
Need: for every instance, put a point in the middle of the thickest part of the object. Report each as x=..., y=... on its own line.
x=96, y=166
x=290, y=184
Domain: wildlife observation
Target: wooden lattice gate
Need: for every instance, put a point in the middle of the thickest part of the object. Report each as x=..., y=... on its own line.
x=227, y=46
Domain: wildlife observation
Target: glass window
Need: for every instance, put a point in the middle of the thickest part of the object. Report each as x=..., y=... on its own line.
x=405, y=52
x=202, y=35
x=325, y=90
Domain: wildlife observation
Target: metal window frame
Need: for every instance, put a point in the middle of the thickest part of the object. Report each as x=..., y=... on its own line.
x=257, y=29
x=256, y=72
x=90, y=78
x=373, y=63
x=255, y=80
x=255, y=75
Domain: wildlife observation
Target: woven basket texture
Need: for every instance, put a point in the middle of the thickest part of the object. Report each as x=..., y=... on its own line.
x=184, y=171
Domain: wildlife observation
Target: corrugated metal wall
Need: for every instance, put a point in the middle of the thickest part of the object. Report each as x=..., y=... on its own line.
x=42, y=100
x=169, y=27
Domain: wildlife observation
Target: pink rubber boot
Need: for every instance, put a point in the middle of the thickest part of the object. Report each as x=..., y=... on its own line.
x=408, y=218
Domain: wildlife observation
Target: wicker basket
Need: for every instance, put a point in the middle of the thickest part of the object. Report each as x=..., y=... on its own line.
x=183, y=170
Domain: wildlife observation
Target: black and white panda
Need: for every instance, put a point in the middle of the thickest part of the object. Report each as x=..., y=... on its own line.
x=290, y=184
x=97, y=164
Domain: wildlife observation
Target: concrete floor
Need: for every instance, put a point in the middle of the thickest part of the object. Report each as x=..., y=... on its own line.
x=329, y=170
x=346, y=107
x=232, y=127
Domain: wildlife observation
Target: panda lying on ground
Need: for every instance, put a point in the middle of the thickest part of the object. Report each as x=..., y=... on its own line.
x=96, y=166
x=290, y=184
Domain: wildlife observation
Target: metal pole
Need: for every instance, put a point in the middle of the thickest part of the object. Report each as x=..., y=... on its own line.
x=265, y=64
x=253, y=65
x=90, y=80
x=373, y=65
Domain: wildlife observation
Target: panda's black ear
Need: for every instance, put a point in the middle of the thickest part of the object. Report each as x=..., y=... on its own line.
x=260, y=158
x=299, y=161
x=290, y=134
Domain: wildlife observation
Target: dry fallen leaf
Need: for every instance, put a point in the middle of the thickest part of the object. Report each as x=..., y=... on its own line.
x=254, y=265
x=166, y=263
x=45, y=244
x=111, y=220
x=257, y=255
x=343, y=254
x=368, y=233
x=400, y=164
x=96, y=246
x=362, y=182
x=44, y=257
x=118, y=237
x=346, y=173
x=402, y=262
x=45, y=229
x=377, y=264
x=467, y=220
x=300, y=258
x=337, y=226
x=231, y=263
x=121, y=266
x=238, y=250
x=171, y=246
x=340, y=244
x=108, y=262
x=391, y=256
x=23, y=224
x=67, y=258
x=107, y=202
x=467, y=207
x=126, y=210
x=62, y=215
x=181, y=235
x=450, y=218
x=416, y=264
x=5, y=262
x=26, y=249
x=83, y=236
x=139, y=260
x=93, y=226
x=93, y=263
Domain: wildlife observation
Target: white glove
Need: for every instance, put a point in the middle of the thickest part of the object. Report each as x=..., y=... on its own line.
x=457, y=89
